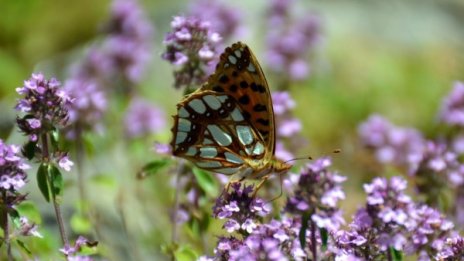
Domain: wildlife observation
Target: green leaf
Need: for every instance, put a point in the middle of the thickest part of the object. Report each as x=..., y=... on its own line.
x=42, y=181
x=397, y=255
x=29, y=210
x=13, y=213
x=324, y=237
x=80, y=224
x=206, y=181
x=56, y=180
x=54, y=137
x=152, y=168
x=185, y=253
x=23, y=246
x=28, y=150
x=304, y=227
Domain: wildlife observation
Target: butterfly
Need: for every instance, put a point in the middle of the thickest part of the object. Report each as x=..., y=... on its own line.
x=227, y=126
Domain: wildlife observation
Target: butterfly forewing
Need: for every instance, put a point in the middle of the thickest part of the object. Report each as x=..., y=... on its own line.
x=239, y=74
x=227, y=125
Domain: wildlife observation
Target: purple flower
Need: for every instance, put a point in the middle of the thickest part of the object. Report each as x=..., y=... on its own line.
x=128, y=45
x=242, y=211
x=191, y=47
x=318, y=191
x=402, y=147
x=452, y=111
x=64, y=162
x=290, y=41
x=71, y=251
x=143, y=118
x=44, y=105
x=28, y=229
x=90, y=102
x=223, y=19
x=453, y=249
x=12, y=168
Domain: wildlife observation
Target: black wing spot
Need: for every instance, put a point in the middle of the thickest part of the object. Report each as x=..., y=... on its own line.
x=263, y=132
x=261, y=88
x=263, y=121
x=254, y=87
x=244, y=99
x=218, y=89
x=246, y=115
x=233, y=88
x=234, y=73
x=224, y=79
x=243, y=84
x=259, y=108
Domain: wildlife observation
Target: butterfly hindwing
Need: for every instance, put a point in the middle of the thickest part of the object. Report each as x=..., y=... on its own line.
x=211, y=131
x=239, y=74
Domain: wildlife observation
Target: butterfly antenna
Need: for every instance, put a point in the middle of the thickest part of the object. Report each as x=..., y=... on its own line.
x=281, y=189
x=299, y=158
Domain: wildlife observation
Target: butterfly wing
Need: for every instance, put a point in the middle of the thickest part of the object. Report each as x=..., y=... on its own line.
x=238, y=74
x=211, y=131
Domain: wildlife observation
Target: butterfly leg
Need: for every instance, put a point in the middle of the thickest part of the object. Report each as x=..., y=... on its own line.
x=260, y=184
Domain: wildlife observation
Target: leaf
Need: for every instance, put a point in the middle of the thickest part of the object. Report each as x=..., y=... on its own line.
x=206, y=181
x=80, y=224
x=304, y=227
x=152, y=168
x=23, y=246
x=13, y=213
x=56, y=180
x=185, y=253
x=28, y=150
x=42, y=181
x=324, y=237
x=397, y=255
x=54, y=137
x=29, y=210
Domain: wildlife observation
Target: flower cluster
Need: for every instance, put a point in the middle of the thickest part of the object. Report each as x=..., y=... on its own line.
x=402, y=147
x=287, y=125
x=317, y=192
x=224, y=19
x=240, y=208
x=276, y=240
x=44, y=105
x=128, y=46
x=143, y=118
x=71, y=252
x=191, y=47
x=12, y=168
x=452, y=111
x=290, y=41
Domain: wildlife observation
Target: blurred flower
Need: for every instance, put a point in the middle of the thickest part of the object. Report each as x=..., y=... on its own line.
x=453, y=249
x=429, y=231
x=452, y=111
x=191, y=48
x=143, y=118
x=317, y=192
x=223, y=19
x=128, y=45
x=290, y=41
x=28, y=229
x=242, y=211
x=287, y=125
x=12, y=168
x=402, y=147
x=71, y=251
x=44, y=104
x=90, y=102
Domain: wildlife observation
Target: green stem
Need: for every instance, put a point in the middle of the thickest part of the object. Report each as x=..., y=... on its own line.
x=56, y=205
x=6, y=230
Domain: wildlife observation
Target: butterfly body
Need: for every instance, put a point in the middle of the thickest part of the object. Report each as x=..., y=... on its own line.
x=227, y=126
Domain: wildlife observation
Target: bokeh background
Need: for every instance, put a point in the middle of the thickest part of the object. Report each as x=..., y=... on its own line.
x=396, y=58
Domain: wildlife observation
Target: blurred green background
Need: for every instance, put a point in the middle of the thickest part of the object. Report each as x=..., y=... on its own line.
x=397, y=58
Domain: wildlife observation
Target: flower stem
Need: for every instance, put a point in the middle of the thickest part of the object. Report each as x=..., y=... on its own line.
x=79, y=165
x=180, y=169
x=56, y=205
x=313, y=240
x=6, y=230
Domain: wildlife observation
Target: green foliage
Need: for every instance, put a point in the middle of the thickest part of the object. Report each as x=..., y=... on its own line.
x=206, y=181
x=42, y=181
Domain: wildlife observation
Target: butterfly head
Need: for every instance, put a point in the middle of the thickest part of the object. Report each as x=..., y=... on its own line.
x=280, y=167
